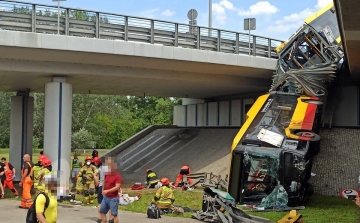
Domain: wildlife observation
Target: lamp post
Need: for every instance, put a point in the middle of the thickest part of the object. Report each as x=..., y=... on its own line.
x=58, y=14
x=210, y=16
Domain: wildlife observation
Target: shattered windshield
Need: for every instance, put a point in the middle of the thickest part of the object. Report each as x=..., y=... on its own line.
x=261, y=180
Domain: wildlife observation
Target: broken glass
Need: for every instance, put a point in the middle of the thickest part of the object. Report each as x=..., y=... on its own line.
x=263, y=170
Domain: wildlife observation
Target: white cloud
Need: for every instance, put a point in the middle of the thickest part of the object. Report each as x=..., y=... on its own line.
x=168, y=13
x=260, y=8
x=150, y=13
x=227, y=5
x=219, y=13
x=290, y=22
x=323, y=3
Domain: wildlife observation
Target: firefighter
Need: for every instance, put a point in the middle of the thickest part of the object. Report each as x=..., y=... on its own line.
x=88, y=173
x=164, y=197
x=39, y=177
x=9, y=176
x=36, y=169
x=26, y=182
x=185, y=170
x=151, y=179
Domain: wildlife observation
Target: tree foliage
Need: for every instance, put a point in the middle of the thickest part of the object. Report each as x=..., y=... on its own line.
x=98, y=121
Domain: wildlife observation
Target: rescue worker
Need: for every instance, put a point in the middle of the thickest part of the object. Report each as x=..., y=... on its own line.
x=164, y=197
x=151, y=179
x=88, y=173
x=95, y=153
x=41, y=174
x=26, y=182
x=185, y=170
x=75, y=168
x=9, y=176
x=36, y=169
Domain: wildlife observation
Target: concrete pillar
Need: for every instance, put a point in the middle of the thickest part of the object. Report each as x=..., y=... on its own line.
x=57, y=126
x=21, y=129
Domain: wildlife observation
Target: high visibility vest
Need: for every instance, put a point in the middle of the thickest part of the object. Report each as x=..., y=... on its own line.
x=41, y=184
x=165, y=195
x=8, y=174
x=75, y=163
x=36, y=175
x=152, y=178
x=30, y=173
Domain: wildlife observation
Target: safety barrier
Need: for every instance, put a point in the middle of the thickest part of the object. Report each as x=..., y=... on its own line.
x=38, y=18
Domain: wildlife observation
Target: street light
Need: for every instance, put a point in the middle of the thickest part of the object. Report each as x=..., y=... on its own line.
x=58, y=14
x=210, y=16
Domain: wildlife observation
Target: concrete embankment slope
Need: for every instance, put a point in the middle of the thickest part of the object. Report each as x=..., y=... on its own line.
x=165, y=150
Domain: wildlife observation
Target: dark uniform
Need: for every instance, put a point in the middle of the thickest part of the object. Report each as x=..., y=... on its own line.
x=2, y=169
x=151, y=179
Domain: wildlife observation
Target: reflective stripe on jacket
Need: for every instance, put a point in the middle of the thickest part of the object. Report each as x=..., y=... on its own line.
x=75, y=163
x=152, y=178
x=165, y=195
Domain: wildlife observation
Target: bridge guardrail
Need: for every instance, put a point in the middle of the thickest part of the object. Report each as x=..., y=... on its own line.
x=38, y=18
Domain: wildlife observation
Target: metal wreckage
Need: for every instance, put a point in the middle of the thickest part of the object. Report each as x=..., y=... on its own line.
x=272, y=154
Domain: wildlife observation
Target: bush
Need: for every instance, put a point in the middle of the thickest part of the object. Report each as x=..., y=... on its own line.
x=82, y=139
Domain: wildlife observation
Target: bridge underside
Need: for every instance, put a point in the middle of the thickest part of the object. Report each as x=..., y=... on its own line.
x=348, y=16
x=134, y=69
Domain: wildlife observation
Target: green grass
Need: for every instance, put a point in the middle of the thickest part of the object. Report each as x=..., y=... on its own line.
x=320, y=209
x=191, y=199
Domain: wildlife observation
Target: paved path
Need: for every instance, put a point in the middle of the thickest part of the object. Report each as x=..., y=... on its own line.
x=10, y=213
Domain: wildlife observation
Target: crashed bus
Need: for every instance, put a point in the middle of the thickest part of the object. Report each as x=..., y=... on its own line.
x=272, y=154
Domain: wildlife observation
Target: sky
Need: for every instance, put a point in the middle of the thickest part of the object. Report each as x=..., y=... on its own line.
x=277, y=19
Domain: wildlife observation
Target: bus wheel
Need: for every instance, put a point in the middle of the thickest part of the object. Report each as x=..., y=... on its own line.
x=313, y=136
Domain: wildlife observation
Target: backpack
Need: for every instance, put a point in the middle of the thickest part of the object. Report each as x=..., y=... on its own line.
x=153, y=212
x=31, y=214
x=137, y=186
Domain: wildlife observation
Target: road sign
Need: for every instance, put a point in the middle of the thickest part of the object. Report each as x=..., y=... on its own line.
x=250, y=24
x=192, y=14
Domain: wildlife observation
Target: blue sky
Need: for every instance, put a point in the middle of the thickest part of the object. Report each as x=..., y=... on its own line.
x=275, y=18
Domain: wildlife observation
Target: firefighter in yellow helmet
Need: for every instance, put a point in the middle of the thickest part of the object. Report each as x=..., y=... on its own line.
x=164, y=197
x=151, y=179
x=88, y=173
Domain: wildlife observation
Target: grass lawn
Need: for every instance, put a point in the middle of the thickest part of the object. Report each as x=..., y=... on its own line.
x=319, y=209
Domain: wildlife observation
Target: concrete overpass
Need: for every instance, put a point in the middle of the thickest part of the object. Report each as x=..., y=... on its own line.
x=128, y=55
x=105, y=53
x=348, y=19
x=29, y=60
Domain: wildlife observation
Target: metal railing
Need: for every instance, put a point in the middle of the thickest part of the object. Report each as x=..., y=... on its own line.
x=37, y=18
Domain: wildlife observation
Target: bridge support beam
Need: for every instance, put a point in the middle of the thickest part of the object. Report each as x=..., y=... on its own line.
x=21, y=129
x=57, y=126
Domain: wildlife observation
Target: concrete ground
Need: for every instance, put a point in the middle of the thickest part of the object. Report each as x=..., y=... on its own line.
x=10, y=213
